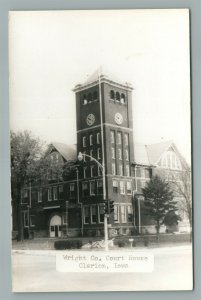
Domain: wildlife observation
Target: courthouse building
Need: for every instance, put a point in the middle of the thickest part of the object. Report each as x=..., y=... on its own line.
x=73, y=205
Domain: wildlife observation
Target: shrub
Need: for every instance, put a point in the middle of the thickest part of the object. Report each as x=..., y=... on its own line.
x=121, y=244
x=146, y=241
x=67, y=244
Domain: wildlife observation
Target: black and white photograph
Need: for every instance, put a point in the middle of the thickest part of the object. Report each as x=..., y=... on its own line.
x=100, y=144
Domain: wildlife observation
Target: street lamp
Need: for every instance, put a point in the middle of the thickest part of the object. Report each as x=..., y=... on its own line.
x=80, y=158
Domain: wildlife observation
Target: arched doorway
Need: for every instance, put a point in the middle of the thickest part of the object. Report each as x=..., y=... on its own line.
x=55, y=226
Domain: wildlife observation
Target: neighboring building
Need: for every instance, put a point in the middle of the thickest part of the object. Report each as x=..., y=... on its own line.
x=72, y=204
x=162, y=159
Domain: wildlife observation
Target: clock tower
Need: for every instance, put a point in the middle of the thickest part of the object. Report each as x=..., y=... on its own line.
x=105, y=133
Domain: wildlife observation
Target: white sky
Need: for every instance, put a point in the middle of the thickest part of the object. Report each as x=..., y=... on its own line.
x=51, y=52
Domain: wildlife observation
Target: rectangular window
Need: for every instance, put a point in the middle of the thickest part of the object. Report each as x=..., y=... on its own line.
x=85, y=172
x=129, y=188
x=101, y=213
x=120, y=154
x=112, y=138
x=84, y=157
x=85, y=189
x=49, y=194
x=148, y=173
x=120, y=170
x=91, y=139
x=113, y=152
x=126, y=139
x=116, y=213
x=61, y=190
x=92, y=188
x=92, y=171
x=126, y=155
x=143, y=183
x=98, y=138
x=115, y=186
x=40, y=195
x=119, y=137
x=123, y=213
x=72, y=190
x=93, y=214
x=130, y=213
x=99, y=171
x=84, y=141
x=113, y=169
x=26, y=219
x=32, y=221
x=55, y=193
x=91, y=154
x=64, y=219
x=86, y=215
x=99, y=153
x=99, y=187
x=127, y=170
x=122, y=187
x=142, y=172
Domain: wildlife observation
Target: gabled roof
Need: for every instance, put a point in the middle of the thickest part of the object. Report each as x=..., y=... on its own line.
x=105, y=76
x=154, y=151
x=69, y=152
x=149, y=155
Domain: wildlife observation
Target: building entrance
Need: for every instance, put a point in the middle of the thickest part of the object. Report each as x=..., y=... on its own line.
x=55, y=226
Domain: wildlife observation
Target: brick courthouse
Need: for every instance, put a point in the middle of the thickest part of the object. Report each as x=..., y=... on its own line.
x=74, y=206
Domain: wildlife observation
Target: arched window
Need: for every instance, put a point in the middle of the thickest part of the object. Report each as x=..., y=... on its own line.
x=122, y=98
x=117, y=96
x=84, y=100
x=89, y=97
x=112, y=94
x=95, y=95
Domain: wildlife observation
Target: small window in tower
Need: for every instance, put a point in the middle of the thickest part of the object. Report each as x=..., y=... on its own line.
x=98, y=137
x=84, y=100
x=113, y=169
x=98, y=153
x=126, y=139
x=91, y=139
x=113, y=152
x=89, y=97
x=120, y=169
x=84, y=141
x=120, y=154
x=126, y=154
x=119, y=137
x=112, y=136
x=127, y=170
x=95, y=95
x=117, y=96
x=112, y=94
x=129, y=188
x=91, y=154
x=115, y=186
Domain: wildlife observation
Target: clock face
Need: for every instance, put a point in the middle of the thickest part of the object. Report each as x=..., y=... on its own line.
x=118, y=118
x=90, y=119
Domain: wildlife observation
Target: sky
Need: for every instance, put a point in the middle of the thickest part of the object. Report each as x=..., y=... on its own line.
x=52, y=51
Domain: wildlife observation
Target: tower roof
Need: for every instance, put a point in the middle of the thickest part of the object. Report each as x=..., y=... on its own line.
x=104, y=75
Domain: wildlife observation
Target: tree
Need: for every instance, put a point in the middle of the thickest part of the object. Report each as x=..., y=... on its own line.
x=159, y=201
x=26, y=153
x=182, y=188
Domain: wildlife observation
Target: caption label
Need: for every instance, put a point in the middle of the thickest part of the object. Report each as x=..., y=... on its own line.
x=93, y=261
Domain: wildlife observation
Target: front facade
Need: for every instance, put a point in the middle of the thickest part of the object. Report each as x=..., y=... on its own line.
x=70, y=203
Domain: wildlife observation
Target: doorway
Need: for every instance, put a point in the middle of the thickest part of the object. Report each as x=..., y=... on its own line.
x=55, y=226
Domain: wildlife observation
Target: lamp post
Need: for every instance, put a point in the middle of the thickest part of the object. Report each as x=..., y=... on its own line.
x=80, y=158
